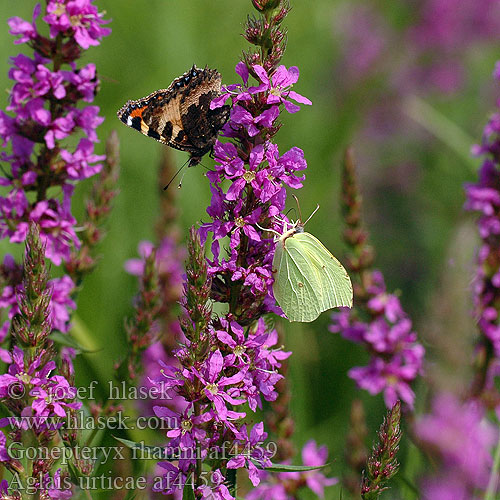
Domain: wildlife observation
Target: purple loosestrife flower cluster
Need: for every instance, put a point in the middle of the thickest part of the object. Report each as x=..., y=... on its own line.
x=44, y=102
x=49, y=132
x=396, y=355
x=166, y=257
x=378, y=322
x=461, y=440
x=483, y=197
x=44, y=110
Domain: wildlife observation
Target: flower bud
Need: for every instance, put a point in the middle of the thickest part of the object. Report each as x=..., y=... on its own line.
x=266, y=5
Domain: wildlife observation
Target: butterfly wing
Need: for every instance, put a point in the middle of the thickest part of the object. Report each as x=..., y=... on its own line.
x=180, y=115
x=200, y=123
x=295, y=284
x=309, y=278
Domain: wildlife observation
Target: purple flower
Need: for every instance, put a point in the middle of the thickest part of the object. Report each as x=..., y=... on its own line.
x=172, y=481
x=4, y=488
x=84, y=81
x=185, y=428
x=4, y=454
x=214, y=384
x=397, y=357
x=254, y=452
x=484, y=197
x=278, y=87
x=55, y=488
x=61, y=302
x=314, y=456
x=51, y=394
x=79, y=16
x=266, y=119
x=81, y=164
x=21, y=27
x=216, y=489
x=13, y=209
x=19, y=375
x=57, y=227
x=392, y=377
x=52, y=398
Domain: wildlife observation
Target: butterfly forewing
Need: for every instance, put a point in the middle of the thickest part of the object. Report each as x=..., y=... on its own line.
x=180, y=116
x=334, y=277
x=309, y=279
x=294, y=285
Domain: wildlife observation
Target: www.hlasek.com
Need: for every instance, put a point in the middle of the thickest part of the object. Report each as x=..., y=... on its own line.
x=80, y=420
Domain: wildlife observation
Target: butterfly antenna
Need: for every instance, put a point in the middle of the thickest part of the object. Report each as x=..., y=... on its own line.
x=176, y=174
x=298, y=206
x=310, y=217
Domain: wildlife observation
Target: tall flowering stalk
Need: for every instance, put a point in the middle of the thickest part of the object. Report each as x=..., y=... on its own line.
x=378, y=321
x=97, y=209
x=456, y=432
x=483, y=197
x=49, y=132
x=382, y=464
x=44, y=166
x=228, y=363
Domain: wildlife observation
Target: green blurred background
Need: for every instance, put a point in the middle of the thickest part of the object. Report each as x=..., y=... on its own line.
x=412, y=183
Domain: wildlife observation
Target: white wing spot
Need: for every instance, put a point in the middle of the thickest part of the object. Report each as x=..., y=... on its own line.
x=129, y=121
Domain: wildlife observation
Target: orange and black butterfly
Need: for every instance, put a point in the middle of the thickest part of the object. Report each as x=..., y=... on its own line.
x=180, y=116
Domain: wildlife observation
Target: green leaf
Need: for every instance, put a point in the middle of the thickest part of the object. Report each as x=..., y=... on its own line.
x=290, y=468
x=188, y=493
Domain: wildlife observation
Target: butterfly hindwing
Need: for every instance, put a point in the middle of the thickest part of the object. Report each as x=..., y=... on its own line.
x=180, y=116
